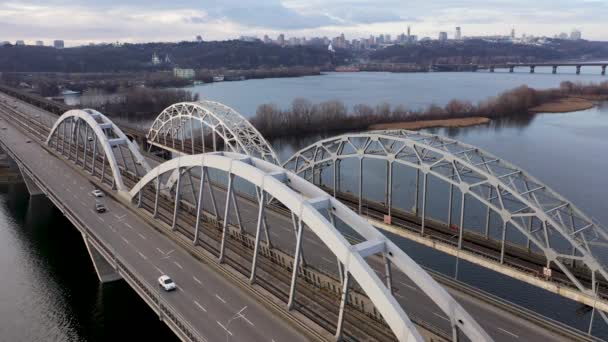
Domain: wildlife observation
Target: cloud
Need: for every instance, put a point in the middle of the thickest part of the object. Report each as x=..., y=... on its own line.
x=81, y=21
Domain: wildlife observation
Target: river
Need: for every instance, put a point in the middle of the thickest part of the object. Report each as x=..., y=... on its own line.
x=50, y=291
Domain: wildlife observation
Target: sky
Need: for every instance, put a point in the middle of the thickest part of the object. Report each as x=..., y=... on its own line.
x=83, y=21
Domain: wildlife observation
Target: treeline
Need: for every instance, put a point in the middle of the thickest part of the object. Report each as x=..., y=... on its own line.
x=233, y=54
x=136, y=104
x=481, y=51
x=304, y=117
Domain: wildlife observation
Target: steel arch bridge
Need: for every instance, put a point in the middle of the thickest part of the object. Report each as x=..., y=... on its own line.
x=87, y=130
x=563, y=234
x=315, y=209
x=183, y=128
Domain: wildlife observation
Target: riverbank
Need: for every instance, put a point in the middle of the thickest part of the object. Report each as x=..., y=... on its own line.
x=565, y=105
x=422, y=124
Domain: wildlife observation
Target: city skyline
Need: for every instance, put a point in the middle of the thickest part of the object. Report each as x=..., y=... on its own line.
x=138, y=21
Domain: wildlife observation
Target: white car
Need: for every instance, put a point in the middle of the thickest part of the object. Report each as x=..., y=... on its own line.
x=97, y=193
x=166, y=283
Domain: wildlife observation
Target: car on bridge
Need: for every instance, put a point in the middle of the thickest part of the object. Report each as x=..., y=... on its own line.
x=99, y=207
x=97, y=193
x=166, y=283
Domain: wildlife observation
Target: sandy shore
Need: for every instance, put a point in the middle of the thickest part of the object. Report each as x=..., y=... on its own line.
x=414, y=125
x=569, y=104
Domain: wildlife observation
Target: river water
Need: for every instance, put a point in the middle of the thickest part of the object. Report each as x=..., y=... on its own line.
x=50, y=291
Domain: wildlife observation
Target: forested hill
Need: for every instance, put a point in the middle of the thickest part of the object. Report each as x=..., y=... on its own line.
x=480, y=51
x=129, y=57
x=255, y=55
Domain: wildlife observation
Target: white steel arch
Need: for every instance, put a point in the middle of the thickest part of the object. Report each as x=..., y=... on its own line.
x=103, y=127
x=307, y=202
x=174, y=126
x=502, y=187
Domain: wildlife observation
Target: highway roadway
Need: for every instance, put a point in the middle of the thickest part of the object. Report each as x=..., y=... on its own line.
x=218, y=309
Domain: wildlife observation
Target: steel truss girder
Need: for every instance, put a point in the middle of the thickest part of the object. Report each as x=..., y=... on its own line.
x=237, y=132
x=518, y=195
x=306, y=200
x=107, y=134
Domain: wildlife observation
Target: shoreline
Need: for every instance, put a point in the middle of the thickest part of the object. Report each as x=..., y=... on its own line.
x=564, y=105
x=439, y=123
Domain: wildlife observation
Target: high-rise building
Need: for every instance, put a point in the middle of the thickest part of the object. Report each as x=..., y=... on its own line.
x=575, y=35
x=513, y=33
x=408, y=32
x=39, y=43
x=281, y=39
x=20, y=43
x=58, y=44
x=443, y=36
x=458, y=35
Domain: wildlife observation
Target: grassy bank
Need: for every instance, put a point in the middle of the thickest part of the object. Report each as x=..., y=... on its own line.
x=305, y=118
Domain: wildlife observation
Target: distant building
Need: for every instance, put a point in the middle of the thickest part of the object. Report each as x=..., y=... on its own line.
x=183, y=73
x=39, y=43
x=199, y=39
x=281, y=39
x=20, y=43
x=155, y=59
x=575, y=35
x=458, y=35
x=562, y=35
x=58, y=44
x=248, y=38
x=513, y=33
x=267, y=39
x=330, y=48
x=443, y=36
x=6, y=42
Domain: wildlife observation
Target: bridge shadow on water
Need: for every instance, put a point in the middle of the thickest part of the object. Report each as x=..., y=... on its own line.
x=52, y=292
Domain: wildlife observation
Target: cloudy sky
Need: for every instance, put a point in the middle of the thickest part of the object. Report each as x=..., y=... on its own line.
x=84, y=21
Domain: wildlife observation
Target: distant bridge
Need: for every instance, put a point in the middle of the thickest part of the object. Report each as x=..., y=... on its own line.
x=512, y=66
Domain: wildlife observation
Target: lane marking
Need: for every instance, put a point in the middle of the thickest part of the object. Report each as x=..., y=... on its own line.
x=327, y=260
x=142, y=255
x=128, y=225
x=410, y=286
x=142, y=237
x=223, y=327
x=125, y=240
x=220, y=298
x=178, y=265
x=398, y=295
x=246, y=320
x=111, y=228
x=273, y=233
x=196, y=280
x=440, y=316
x=507, y=332
x=160, y=250
x=200, y=306
x=159, y=270
x=100, y=219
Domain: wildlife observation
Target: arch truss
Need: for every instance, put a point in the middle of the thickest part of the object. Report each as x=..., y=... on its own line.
x=313, y=208
x=187, y=127
x=95, y=143
x=573, y=245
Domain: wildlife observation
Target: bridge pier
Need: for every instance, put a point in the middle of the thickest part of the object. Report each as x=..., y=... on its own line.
x=511, y=69
x=603, y=70
x=578, y=69
x=105, y=272
x=532, y=67
x=555, y=69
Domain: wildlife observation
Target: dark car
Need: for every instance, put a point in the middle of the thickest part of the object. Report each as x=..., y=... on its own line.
x=100, y=208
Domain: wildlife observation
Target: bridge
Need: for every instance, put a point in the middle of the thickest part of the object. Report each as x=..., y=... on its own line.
x=512, y=66
x=263, y=234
